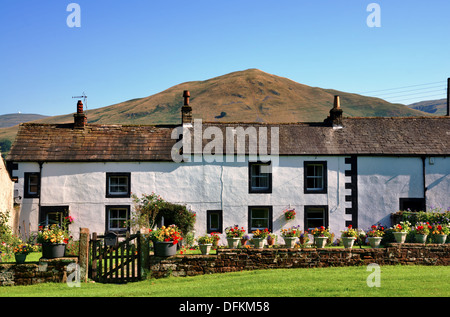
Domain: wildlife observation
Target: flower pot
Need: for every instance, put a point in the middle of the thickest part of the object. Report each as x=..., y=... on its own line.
x=233, y=242
x=320, y=242
x=165, y=249
x=375, y=241
x=259, y=242
x=348, y=242
x=53, y=250
x=270, y=241
x=400, y=237
x=290, y=241
x=420, y=238
x=440, y=238
x=20, y=258
x=205, y=248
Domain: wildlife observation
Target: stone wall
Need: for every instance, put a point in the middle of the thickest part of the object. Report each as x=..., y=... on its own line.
x=46, y=270
x=232, y=260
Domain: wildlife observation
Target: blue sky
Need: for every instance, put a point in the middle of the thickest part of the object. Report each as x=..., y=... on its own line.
x=136, y=48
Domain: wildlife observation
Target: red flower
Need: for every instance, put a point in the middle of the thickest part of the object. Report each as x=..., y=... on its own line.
x=350, y=226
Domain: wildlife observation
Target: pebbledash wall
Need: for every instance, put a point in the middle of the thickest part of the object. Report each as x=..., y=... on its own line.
x=381, y=182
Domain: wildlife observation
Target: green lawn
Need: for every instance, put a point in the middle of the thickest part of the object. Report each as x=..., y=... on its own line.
x=396, y=281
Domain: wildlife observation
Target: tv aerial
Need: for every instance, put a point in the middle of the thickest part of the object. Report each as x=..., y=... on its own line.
x=84, y=99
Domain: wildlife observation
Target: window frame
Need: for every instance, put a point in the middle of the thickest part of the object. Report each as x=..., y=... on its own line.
x=324, y=177
x=126, y=194
x=219, y=213
x=416, y=201
x=44, y=211
x=26, y=192
x=325, y=216
x=259, y=190
x=108, y=208
x=250, y=218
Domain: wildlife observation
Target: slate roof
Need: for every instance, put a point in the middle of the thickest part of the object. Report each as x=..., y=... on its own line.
x=63, y=143
x=411, y=136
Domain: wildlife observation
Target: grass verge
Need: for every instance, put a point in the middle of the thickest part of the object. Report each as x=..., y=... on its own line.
x=395, y=281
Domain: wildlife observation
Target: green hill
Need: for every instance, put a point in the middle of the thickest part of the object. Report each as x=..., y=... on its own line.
x=245, y=96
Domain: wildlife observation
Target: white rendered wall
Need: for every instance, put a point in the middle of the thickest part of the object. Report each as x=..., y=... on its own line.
x=437, y=181
x=382, y=181
x=224, y=186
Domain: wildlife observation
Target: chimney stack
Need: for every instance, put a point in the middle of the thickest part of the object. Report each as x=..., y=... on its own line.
x=186, y=110
x=80, y=119
x=336, y=113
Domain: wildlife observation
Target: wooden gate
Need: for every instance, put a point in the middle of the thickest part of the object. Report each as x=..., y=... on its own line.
x=118, y=262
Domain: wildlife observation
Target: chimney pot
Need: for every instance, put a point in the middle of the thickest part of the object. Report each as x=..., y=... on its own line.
x=335, y=117
x=337, y=102
x=80, y=119
x=186, y=95
x=186, y=110
x=80, y=106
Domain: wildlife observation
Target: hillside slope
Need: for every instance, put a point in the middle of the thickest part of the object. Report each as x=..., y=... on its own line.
x=245, y=96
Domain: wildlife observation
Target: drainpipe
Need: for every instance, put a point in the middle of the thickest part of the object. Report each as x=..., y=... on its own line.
x=40, y=185
x=424, y=183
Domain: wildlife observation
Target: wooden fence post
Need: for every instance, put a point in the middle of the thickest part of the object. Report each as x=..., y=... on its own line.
x=84, y=254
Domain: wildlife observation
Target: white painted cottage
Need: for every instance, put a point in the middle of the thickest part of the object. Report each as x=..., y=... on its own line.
x=334, y=173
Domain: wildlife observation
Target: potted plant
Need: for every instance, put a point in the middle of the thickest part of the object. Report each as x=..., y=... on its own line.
x=205, y=243
x=349, y=236
x=321, y=236
x=374, y=235
x=245, y=239
x=259, y=237
x=54, y=240
x=216, y=238
x=165, y=240
x=304, y=238
x=290, y=236
x=421, y=231
x=272, y=239
x=401, y=230
x=234, y=234
x=440, y=233
x=289, y=214
x=21, y=251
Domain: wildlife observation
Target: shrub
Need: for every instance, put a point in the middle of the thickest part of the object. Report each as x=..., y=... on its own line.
x=7, y=240
x=151, y=209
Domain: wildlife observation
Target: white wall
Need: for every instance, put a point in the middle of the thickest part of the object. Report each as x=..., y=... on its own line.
x=437, y=181
x=224, y=186
x=200, y=186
